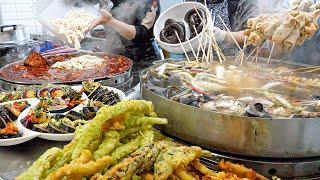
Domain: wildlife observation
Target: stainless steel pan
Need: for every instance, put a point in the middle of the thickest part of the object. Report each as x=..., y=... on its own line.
x=277, y=138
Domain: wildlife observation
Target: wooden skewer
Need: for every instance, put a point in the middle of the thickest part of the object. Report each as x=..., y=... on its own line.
x=203, y=49
x=241, y=54
x=216, y=47
x=194, y=54
x=271, y=51
x=199, y=39
x=257, y=53
x=185, y=52
x=244, y=47
x=234, y=39
x=204, y=52
x=199, y=46
x=313, y=70
x=255, y=49
x=219, y=52
x=306, y=68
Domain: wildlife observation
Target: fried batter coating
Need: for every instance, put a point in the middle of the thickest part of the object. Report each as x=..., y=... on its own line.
x=174, y=157
x=240, y=170
x=128, y=166
x=92, y=137
x=202, y=168
x=81, y=167
x=147, y=138
x=108, y=144
x=183, y=174
x=133, y=130
x=147, y=176
x=150, y=159
x=223, y=176
x=140, y=121
x=41, y=165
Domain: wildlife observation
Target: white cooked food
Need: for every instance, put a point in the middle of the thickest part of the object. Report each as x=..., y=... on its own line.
x=74, y=25
x=79, y=63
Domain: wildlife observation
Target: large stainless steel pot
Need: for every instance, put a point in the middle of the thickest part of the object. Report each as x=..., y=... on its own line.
x=13, y=34
x=277, y=138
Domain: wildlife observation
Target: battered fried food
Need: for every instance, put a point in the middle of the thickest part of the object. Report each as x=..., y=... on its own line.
x=128, y=167
x=108, y=144
x=239, y=170
x=174, y=157
x=143, y=157
x=202, y=168
x=92, y=137
x=81, y=167
x=183, y=174
x=140, y=121
x=40, y=166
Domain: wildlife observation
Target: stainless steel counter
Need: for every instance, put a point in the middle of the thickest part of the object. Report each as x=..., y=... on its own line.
x=15, y=159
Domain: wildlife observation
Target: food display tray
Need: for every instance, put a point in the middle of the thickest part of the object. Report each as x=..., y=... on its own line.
x=113, y=80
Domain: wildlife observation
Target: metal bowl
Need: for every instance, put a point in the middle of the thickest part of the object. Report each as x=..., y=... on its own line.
x=255, y=137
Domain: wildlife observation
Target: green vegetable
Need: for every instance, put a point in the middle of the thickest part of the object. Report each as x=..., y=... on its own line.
x=140, y=121
x=125, y=149
x=92, y=136
x=109, y=144
x=174, y=157
x=40, y=166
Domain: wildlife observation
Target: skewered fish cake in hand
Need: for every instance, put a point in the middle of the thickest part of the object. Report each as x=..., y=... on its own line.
x=287, y=30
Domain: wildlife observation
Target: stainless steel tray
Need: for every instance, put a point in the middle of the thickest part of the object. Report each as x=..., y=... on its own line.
x=276, y=138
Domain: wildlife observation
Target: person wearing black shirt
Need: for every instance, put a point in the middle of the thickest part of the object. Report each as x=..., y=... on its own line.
x=129, y=30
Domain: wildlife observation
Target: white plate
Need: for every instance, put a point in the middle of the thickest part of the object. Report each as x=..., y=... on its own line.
x=26, y=136
x=50, y=136
x=69, y=136
x=54, y=137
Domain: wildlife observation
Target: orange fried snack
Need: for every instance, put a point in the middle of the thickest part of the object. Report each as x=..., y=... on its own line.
x=81, y=167
x=240, y=170
x=35, y=60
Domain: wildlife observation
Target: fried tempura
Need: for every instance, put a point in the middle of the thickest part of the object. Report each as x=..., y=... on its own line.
x=40, y=166
x=81, y=167
x=240, y=170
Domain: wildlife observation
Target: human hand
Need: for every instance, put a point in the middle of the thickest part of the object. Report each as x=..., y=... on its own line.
x=104, y=18
x=220, y=35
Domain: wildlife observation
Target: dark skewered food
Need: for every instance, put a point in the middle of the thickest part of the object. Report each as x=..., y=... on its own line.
x=195, y=18
x=170, y=31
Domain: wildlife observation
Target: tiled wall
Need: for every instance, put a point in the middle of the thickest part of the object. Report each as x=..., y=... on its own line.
x=20, y=12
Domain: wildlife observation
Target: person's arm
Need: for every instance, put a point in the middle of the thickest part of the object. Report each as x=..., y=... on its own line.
x=138, y=33
x=226, y=36
x=238, y=36
x=125, y=30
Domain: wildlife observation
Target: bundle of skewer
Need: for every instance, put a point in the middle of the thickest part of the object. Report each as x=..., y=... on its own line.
x=207, y=43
